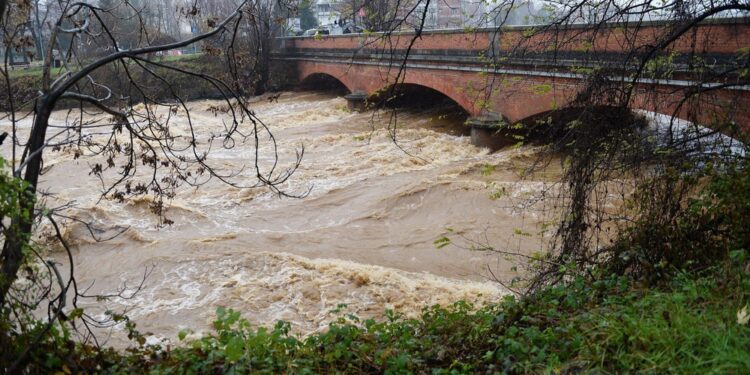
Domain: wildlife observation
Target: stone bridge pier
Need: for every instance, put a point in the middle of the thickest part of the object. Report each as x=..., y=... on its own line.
x=484, y=126
x=357, y=101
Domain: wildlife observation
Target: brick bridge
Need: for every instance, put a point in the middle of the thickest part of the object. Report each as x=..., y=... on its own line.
x=507, y=77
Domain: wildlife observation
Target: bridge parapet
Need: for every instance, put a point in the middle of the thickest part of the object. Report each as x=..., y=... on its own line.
x=515, y=75
x=719, y=36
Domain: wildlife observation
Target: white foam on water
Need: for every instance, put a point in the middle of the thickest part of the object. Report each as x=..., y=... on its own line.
x=276, y=286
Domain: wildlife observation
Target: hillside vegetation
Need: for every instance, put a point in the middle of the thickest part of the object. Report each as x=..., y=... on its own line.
x=25, y=83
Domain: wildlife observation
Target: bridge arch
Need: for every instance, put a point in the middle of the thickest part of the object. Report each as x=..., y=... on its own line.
x=569, y=113
x=416, y=79
x=414, y=94
x=324, y=81
x=518, y=97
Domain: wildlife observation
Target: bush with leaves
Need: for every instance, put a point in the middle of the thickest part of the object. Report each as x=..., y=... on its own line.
x=698, y=232
x=611, y=325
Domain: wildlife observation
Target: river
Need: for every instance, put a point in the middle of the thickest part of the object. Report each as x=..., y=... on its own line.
x=364, y=237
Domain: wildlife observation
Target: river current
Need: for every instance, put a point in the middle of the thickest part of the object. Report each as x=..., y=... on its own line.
x=365, y=236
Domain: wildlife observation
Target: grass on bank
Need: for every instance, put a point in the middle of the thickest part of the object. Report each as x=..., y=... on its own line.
x=608, y=326
x=37, y=70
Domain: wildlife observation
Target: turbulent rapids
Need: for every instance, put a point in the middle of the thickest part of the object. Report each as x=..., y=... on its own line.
x=363, y=237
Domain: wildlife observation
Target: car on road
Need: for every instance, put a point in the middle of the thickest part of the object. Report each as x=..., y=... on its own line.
x=317, y=31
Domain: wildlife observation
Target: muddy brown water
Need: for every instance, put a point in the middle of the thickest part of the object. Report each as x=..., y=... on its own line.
x=363, y=237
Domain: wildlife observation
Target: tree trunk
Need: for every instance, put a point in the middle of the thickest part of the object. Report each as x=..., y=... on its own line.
x=37, y=42
x=18, y=239
x=38, y=34
x=263, y=67
x=3, y=3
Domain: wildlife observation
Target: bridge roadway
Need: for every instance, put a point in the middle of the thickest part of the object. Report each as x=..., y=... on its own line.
x=507, y=76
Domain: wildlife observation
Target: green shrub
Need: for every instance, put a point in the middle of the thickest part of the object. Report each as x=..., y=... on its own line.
x=609, y=326
x=695, y=233
x=612, y=325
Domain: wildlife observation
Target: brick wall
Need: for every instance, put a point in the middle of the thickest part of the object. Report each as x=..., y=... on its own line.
x=710, y=38
x=517, y=97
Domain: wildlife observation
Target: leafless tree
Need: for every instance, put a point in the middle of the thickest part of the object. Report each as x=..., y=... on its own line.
x=606, y=141
x=620, y=51
x=140, y=153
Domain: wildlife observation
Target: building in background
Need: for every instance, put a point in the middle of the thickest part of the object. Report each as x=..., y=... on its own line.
x=440, y=14
x=326, y=12
x=459, y=14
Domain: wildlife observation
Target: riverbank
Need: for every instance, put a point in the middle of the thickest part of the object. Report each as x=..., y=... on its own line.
x=25, y=83
x=694, y=324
